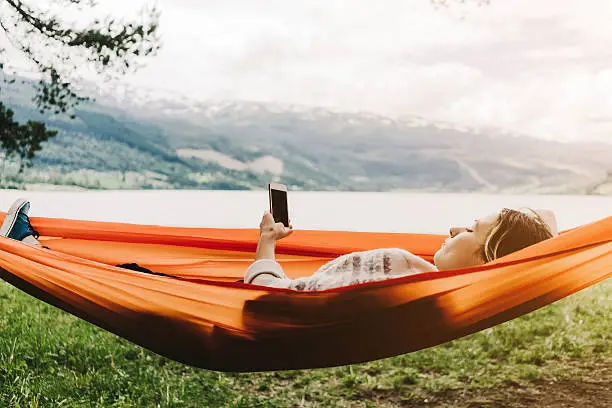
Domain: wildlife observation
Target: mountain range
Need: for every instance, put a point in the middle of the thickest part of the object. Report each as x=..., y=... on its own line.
x=129, y=138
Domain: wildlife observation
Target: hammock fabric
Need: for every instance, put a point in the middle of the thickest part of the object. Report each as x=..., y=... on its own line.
x=205, y=318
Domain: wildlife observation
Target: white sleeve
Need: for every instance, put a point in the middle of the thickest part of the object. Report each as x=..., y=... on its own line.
x=265, y=279
x=264, y=266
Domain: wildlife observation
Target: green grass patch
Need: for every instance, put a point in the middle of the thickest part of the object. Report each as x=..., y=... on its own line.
x=49, y=358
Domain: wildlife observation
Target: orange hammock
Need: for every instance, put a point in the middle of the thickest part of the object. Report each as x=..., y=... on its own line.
x=206, y=319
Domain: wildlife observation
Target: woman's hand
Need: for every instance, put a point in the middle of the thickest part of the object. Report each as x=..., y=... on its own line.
x=273, y=231
x=269, y=233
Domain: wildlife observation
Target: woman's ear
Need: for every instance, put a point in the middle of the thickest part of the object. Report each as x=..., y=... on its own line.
x=479, y=257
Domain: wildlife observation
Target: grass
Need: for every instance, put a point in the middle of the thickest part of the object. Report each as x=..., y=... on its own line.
x=49, y=358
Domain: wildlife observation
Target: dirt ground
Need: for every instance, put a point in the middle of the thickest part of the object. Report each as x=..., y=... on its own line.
x=541, y=394
x=590, y=388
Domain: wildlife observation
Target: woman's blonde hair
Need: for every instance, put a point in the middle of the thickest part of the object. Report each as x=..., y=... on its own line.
x=513, y=231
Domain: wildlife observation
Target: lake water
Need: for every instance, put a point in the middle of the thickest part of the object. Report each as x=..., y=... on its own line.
x=348, y=211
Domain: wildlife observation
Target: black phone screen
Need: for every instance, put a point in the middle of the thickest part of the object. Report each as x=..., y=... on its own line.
x=279, y=206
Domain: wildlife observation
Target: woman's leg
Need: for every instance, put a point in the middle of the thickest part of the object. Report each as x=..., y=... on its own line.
x=135, y=267
x=17, y=226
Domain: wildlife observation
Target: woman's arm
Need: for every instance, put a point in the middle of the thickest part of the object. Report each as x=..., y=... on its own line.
x=265, y=248
x=265, y=270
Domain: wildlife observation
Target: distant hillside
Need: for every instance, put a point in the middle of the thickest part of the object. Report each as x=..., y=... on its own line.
x=242, y=145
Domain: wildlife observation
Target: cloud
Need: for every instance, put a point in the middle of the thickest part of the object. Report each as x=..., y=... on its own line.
x=534, y=67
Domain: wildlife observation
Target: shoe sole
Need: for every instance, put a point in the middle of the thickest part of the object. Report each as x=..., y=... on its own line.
x=11, y=216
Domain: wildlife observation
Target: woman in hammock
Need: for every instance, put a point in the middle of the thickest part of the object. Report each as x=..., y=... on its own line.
x=487, y=239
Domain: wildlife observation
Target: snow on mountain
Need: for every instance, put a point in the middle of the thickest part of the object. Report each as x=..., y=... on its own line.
x=151, y=102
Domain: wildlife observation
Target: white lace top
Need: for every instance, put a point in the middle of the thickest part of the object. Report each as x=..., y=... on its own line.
x=349, y=269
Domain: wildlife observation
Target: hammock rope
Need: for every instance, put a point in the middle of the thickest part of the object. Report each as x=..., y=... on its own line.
x=205, y=318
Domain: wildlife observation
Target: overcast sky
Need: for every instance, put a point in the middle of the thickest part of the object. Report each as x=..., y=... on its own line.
x=541, y=67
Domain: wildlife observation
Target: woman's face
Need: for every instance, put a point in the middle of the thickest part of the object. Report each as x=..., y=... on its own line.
x=463, y=248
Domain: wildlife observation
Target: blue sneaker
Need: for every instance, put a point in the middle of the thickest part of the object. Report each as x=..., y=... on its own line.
x=17, y=225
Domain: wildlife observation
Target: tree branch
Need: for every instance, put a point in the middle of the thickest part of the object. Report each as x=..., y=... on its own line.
x=95, y=38
x=110, y=47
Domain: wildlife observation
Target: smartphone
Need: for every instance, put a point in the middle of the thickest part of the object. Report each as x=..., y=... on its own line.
x=277, y=194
